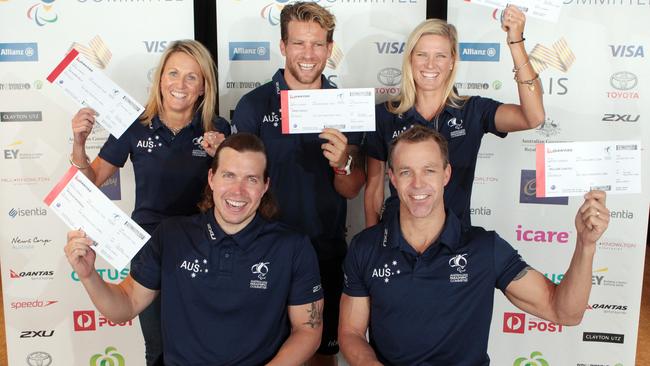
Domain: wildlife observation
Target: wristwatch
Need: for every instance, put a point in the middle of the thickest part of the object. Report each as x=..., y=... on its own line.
x=347, y=170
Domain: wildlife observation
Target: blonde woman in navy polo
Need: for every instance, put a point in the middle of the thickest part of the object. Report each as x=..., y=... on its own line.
x=428, y=98
x=171, y=147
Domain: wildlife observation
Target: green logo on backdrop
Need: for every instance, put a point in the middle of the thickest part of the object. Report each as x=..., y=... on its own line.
x=534, y=360
x=110, y=358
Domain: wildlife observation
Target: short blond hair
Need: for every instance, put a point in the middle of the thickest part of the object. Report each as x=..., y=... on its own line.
x=307, y=12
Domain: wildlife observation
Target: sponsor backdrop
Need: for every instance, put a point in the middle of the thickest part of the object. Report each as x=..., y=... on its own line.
x=594, y=74
x=48, y=316
x=368, y=48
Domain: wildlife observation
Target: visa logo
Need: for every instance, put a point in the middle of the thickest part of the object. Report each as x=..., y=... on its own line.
x=155, y=46
x=393, y=48
x=626, y=50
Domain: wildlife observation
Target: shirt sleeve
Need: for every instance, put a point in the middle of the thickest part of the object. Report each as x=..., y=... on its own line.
x=507, y=262
x=353, y=284
x=221, y=125
x=488, y=109
x=305, y=277
x=146, y=265
x=375, y=145
x=244, y=118
x=116, y=151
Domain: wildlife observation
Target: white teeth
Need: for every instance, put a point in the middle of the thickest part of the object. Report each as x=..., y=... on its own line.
x=235, y=203
x=420, y=197
x=179, y=95
x=306, y=66
x=429, y=75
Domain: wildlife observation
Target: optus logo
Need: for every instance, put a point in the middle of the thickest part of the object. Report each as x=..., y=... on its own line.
x=106, y=274
x=534, y=360
x=110, y=358
x=42, y=13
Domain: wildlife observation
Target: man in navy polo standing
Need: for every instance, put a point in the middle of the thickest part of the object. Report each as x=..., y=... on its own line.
x=424, y=288
x=313, y=174
x=235, y=287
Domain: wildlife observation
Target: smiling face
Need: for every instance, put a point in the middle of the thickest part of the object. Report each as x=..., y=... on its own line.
x=306, y=51
x=431, y=62
x=419, y=174
x=181, y=84
x=238, y=186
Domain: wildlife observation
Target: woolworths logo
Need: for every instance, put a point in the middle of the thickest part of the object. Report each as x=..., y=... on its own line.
x=534, y=360
x=110, y=358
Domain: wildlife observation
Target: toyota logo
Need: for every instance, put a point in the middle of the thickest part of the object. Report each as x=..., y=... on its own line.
x=623, y=80
x=389, y=76
x=39, y=358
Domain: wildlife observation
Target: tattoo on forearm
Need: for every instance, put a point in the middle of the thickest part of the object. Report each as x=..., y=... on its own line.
x=315, y=315
x=522, y=273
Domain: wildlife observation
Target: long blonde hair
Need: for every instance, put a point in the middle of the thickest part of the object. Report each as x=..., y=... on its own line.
x=406, y=98
x=207, y=103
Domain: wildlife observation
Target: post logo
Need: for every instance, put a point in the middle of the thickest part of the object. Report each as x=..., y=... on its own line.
x=110, y=358
x=479, y=51
x=514, y=322
x=84, y=320
x=535, y=359
x=249, y=51
x=559, y=56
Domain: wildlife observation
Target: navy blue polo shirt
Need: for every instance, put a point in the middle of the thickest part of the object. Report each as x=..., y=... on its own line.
x=170, y=171
x=302, y=180
x=434, y=308
x=463, y=128
x=224, y=297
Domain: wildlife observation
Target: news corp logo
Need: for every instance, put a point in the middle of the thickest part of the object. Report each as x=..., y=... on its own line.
x=489, y=52
x=516, y=323
x=86, y=320
x=249, y=51
x=19, y=52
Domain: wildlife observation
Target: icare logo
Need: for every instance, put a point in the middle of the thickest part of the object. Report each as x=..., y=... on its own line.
x=516, y=323
x=541, y=236
x=86, y=320
x=110, y=357
x=42, y=13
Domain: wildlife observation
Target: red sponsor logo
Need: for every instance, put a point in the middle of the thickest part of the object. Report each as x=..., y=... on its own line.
x=87, y=320
x=514, y=322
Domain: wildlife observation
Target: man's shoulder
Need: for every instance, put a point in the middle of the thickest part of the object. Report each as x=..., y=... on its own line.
x=180, y=223
x=477, y=235
x=373, y=237
x=283, y=234
x=262, y=92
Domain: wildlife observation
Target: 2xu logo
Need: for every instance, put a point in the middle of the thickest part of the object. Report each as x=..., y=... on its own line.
x=36, y=333
x=612, y=117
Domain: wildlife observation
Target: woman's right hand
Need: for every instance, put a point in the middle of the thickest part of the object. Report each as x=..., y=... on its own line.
x=82, y=125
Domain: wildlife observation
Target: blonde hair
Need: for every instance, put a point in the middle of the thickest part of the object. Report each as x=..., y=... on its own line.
x=406, y=98
x=207, y=103
x=306, y=12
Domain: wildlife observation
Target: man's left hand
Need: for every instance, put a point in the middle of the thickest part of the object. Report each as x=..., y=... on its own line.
x=335, y=149
x=592, y=218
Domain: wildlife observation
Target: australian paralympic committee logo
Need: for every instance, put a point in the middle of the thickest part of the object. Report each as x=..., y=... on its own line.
x=271, y=12
x=42, y=13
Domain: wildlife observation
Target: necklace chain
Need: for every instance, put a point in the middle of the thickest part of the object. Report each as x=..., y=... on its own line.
x=174, y=130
